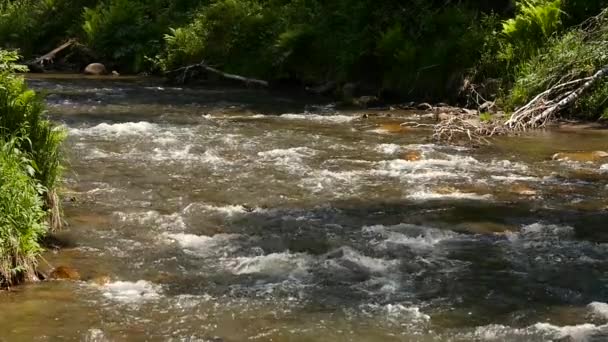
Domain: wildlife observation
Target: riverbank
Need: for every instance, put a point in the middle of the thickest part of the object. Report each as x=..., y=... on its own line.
x=29, y=174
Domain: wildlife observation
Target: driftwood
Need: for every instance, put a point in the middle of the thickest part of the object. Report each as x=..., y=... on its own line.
x=39, y=63
x=544, y=107
x=181, y=75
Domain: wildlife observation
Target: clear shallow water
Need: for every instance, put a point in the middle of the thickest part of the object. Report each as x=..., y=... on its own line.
x=240, y=215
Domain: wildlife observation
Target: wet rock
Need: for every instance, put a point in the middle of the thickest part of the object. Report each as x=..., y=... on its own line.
x=115, y=73
x=523, y=190
x=587, y=156
x=424, y=106
x=394, y=127
x=443, y=116
x=101, y=280
x=412, y=156
x=487, y=228
x=367, y=101
x=64, y=273
x=323, y=89
x=95, y=69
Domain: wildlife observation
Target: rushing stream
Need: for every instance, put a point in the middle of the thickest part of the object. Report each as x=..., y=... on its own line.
x=219, y=214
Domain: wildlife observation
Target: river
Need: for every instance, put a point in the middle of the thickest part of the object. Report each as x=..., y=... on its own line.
x=224, y=214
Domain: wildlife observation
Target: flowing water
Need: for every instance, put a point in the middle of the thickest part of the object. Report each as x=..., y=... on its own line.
x=222, y=214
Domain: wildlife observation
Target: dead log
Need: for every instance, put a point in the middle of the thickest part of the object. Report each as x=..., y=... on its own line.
x=182, y=74
x=546, y=105
x=38, y=64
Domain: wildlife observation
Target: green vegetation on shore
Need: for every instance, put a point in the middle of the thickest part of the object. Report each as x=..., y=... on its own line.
x=29, y=171
x=455, y=51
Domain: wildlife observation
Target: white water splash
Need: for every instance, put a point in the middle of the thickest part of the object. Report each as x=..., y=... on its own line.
x=320, y=118
x=118, y=129
x=131, y=292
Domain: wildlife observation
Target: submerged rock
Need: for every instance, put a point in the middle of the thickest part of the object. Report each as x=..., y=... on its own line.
x=394, y=127
x=64, y=273
x=586, y=156
x=523, y=190
x=95, y=69
x=412, y=156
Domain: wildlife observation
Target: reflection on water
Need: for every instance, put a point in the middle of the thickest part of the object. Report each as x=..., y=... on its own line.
x=229, y=215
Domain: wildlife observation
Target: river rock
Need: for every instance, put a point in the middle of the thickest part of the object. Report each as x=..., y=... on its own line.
x=412, y=156
x=523, y=190
x=102, y=280
x=367, y=101
x=64, y=273
x=587, y=156
x=393, y=127
x=95, y=69
x=424, y=106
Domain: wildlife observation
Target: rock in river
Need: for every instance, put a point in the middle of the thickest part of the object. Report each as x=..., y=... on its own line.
x=64, y=273
x=95, y=69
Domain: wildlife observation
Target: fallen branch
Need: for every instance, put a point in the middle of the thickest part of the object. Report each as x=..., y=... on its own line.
x=39, y=63
x=546, y=105
x=184, y=73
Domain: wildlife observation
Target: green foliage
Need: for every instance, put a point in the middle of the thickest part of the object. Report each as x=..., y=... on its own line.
x=121, y=31
x=21, y=116
x=29, y=169
x=535, y=22
x=22, y=219
x=37, y=26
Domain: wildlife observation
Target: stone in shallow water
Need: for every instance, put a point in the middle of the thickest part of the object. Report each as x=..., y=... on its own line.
x=523, y=190
x=392, y=127
x=64, y=273
x=412, y=156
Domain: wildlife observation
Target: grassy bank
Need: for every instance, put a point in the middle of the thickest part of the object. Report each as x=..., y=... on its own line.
x=29, y=172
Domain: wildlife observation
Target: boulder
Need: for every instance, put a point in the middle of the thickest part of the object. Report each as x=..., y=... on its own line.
x=64, y=273
x=95, y=69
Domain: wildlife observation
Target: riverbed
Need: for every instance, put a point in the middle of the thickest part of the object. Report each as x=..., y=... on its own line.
x=227, y=214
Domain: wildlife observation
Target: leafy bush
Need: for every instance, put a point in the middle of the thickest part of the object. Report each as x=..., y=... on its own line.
x=21, y=116
x=535, y=22
x=122, y=32
x=29, y=169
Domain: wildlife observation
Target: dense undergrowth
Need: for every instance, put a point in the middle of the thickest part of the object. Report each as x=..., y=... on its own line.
x=415, y=49
x=29, y=171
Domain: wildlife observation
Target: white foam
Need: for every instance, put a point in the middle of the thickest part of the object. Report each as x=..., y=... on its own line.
x=545, y=231
x=290, y=158
x=388, y=148
x=129, y=292
x=579, y=333
x=118, y=129
x=398, y=311
x=320, y=118
x=409, y=235
x=205, y=245
x=153, y=219
x=226, y=210
x=430, y=196
x=604, y=168
x=599, y=309
x=284, y=264
x=514, y=178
